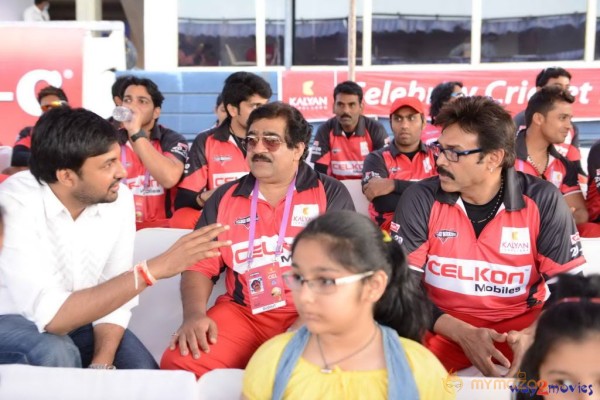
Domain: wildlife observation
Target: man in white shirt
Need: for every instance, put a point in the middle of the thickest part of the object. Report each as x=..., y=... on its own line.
x=37, y=12
x=66, y=279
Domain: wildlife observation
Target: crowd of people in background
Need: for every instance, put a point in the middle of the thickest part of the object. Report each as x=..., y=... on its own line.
x=471, y=245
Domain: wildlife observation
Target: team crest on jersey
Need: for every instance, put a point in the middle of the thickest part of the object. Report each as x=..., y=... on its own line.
x=515, y=241
x=445, y=234
x=181, y=149
x=370, y=175
x=364, y=149
x=336, y=150
x=244, y=221
x=427, y=165
x=393, y=170
x=222, y=158
x=303, y=214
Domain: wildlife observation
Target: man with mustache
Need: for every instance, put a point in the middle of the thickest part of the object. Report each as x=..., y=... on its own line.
x=266, y=209
x=68, y=282
x=485, y=240
x=153, y=155
x=389, y=171
x=342, y=143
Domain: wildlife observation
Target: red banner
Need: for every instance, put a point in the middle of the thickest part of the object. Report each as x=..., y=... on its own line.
x=31, y=59
x=312, y=92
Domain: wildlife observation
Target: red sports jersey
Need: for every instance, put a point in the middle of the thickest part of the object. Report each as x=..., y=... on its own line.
x=315, y=194
x=344, y=156
x=390, y=163
x=430, y=133
x=561, y=172
x=153, y=202
x=592, y=200
x=502, y=273
x=214, y=159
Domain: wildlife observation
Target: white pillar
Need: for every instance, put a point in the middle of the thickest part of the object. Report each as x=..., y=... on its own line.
x=367, y=32
x=589, y=51
x=261, y=21
x=476, y=32
x=161, y=27
x=88, y=10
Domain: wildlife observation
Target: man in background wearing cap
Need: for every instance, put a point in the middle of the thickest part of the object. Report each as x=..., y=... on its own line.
x=342, y=143
x=387, y=172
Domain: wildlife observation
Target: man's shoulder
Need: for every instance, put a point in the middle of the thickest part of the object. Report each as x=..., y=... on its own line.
x=372, y=123
x=328, y=125
x=168, y=134
x=23, y=184
x=541, y=191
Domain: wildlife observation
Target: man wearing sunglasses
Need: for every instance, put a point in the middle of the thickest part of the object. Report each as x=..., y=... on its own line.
x=217, y=155
x=486, y=239
x=342, y=143
x=266, y=208
x=49, y=97
x=387, y=172
x=561, y=78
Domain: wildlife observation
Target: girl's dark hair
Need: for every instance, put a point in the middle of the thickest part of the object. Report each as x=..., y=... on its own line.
x=563, y=321
x=355, y=242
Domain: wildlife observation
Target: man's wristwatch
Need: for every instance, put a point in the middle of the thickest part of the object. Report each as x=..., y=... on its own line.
x=136, y=136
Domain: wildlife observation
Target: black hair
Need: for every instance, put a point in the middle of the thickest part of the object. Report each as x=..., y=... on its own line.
x=439, y=96
x=240, y=86
x=64, y=138
x=38, y=2
x=482, y=116
x=51, y=91
x=548, y=73
x=358, y=244
x=155, y=94
x=118, y=87
x=298, y=130
x=219, y=100
x=543, y=101
x=348, y=87
x=563, y=321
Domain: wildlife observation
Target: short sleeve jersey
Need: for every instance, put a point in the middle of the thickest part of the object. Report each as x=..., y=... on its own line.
x=344, y=156
x=390, y=163
x=592, y=200
x=152, y=200
x=561, y=172
x=502, y=273
x=314, y=194
x=214, y=159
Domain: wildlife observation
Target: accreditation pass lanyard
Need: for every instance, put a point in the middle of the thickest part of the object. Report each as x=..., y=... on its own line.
x=282, y=227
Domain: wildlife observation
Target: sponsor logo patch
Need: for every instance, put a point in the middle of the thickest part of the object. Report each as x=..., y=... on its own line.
x=303, y=214
x=394, y=227
x=515, y=241
x=244, y=221
x=575, y=238
x=222, y=158
x=445, y=234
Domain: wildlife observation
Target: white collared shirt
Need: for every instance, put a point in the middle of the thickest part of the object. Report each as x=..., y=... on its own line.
x=33, y=13
x=47, y=255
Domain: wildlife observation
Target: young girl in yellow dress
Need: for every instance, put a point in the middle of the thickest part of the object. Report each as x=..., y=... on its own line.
x=363, y=314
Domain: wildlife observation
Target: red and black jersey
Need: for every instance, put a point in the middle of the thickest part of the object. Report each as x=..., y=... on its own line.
x=152, y=200
x=502, y=273
x=592, y=200
x=430, y=134
x=214, y=159
x=390, y=163
x=314, y=194
x=342, y=156
x=561, y=172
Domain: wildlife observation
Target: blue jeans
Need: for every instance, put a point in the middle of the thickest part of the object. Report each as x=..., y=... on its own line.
x=22, y=343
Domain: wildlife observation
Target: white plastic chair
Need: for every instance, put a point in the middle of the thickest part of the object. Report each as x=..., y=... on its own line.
x=221, y=384
x=591, y=252
x=5, y=156
x=361, y=203
x=159, y=312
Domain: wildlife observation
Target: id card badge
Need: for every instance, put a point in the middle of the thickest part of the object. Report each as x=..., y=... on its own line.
x=265, y=287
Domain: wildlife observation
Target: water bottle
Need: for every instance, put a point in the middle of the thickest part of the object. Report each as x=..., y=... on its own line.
x=122, y=114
